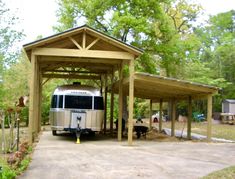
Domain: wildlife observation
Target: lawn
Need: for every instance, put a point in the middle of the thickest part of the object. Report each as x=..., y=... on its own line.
x=224, y=131
x=227, y=173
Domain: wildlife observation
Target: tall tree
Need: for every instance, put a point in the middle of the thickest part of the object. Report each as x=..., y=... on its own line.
x=160, y=27
x=8, y=37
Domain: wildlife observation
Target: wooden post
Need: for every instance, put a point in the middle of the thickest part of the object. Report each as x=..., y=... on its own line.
x=131, y=101
x=209, y=117
x=32, y=98
x=105, y=103
x=111, y=104
x=160, y=116
x=40, y=102
x=120, y=105
x=189, y=121
x=173, y=114
x=36, y=100
x=150, y=113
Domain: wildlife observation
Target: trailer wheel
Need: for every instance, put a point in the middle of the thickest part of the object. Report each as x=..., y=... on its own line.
x=54, y=132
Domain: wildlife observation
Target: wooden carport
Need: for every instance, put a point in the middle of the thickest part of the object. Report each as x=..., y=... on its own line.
x=79, y=53
x=160, y=89
x=85, y=53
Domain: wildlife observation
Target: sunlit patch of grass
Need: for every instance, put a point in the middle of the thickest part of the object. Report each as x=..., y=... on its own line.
x=227, y=173
x=224, y=131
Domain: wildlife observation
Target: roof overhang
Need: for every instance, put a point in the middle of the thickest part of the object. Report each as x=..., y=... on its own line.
x=155, y=87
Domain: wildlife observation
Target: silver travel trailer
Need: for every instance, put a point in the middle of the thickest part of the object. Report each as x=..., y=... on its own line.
x=76, y=108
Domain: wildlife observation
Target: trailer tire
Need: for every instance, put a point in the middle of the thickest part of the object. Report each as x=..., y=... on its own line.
x=54, y=132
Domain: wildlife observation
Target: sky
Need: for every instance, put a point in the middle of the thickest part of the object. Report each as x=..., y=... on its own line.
x=38, y=16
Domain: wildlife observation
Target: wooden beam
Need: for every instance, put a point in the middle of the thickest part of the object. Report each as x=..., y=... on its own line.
x=75, y=43
x=84, y=39
x=160, y=115
x=76, y=72
x=59, y=52
x=131, y=101
x=45, y=81
x=120, y=105
x=173, y=117
x=150, y=113
x=66, y=76
x=209, y=117
x=115, y=42
x=80, y=61
x=111, y=103
x=92, y=43
x=189, y=121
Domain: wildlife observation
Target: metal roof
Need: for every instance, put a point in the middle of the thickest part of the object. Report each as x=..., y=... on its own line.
x=156, y=87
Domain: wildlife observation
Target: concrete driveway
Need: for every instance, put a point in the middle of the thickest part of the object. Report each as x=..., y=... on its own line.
x=58, y=157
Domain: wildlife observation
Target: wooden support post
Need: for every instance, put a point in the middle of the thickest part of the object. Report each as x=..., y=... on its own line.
x=120, y=105
x=160, y=116
x=40, y=102
x=105, y=103
x=150, y=113
x=209, y=117
x=36, y=100
x=111, y=103
x=173, y=114
x=131, y=101
x=32, y=98
x=189, y=121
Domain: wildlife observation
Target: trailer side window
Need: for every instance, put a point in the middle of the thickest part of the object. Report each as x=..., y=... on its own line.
x=78, y=102
x=57, y=101
x=98, y=103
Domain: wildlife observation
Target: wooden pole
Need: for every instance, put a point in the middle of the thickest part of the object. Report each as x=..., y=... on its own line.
x=105, y=102
x=131, y=101
x=111, y=104
x=189, y=121
x=40, y=101
x=36, y=100
x=31, y=98
x=160, y=116
x=120, y=105
x=173, y=117
x=209, y=117
x=150, y=113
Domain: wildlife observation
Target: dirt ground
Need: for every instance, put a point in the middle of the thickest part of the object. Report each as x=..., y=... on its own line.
x=103, y=158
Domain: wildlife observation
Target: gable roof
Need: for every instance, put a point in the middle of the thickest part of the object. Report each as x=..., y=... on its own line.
x=56, y=38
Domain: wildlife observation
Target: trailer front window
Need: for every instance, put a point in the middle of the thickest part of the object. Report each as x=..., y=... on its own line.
x=78, y=102
x=57, y=101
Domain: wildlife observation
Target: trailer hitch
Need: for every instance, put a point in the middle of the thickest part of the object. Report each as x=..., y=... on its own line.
x=78, y=131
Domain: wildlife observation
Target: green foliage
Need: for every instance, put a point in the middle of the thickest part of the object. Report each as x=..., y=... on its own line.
x=8, y=36
x=15, y=82
x=160, y=27
x=6, y=172
x=24, y=164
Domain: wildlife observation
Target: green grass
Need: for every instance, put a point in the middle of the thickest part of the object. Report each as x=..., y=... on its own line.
x=226, y=173
x=6, y=172
x=224, y=131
